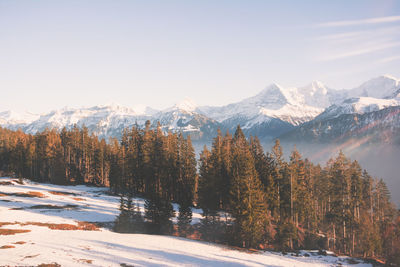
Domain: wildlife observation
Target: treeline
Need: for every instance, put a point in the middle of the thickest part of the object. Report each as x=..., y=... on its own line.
x=66, y=157
x=249, y=197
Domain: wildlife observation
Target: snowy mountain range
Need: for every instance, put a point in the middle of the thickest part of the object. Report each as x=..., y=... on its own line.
x=273, y=112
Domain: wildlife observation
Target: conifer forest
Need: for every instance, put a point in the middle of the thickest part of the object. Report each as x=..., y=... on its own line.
x=249, y=197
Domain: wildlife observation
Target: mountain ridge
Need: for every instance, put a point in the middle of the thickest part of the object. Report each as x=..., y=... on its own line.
x=272, y=112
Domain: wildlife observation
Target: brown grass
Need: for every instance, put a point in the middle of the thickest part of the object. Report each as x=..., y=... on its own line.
x=18, y=182
x=86, y=226
x=48, y=207
x=34, y=194
x=31, y=256
x=27, y=194
x=84, y=261
x=64, y=226
x=2, y=195
x=6, y=183
x=78, y=199
x=13, y=231
x=20, y=243
x=62, y=193
x=6, y=223
x=6, y=246
x=54, y=264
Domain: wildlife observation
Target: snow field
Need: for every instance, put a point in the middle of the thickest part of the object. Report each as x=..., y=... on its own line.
x=104, y=247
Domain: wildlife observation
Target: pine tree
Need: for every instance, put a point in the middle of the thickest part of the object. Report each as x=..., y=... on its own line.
x=265, y=170
x=277, y=172
x=248, y=205
x=184, y=220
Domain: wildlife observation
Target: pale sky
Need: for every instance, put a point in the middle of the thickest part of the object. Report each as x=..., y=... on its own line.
x=155, y=53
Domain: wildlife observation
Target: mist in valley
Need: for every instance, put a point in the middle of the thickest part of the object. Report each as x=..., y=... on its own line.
x=382, y=161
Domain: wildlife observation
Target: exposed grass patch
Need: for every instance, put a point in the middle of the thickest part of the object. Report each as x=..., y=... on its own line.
x=33, y=194
x=31, y=256
x=6, y=223
x=62, y=193
x=48, y=207
x=78, y=199
x=6, y=246
x=27, y=194
x=53, y=264
x=6, y=183
x=13, y=231
x=84, y=261
x=20, y=243
x=64, y=226
x=86, y=226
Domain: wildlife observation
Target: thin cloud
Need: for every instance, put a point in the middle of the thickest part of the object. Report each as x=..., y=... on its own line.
x=389, y=59
x=341, y=36
x=352, y=35
x=361, y=51
x=359, y=22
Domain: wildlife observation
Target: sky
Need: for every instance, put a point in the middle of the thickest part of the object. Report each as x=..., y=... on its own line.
x=155, y=53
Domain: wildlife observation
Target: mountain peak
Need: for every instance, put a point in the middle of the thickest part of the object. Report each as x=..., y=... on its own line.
x=390, y=77
x=383, y=86
x=273, y=89
x=187, y=104
x=274, y=86
x=317, y=84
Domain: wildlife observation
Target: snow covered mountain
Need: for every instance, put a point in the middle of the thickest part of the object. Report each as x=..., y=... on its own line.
x=379, y=126
x=357, y=105
x=9, y=118
x=381, y=87
x=183, y=118
x=287, y=104
x=109, y=120
x=274, y=111
x=101, y=120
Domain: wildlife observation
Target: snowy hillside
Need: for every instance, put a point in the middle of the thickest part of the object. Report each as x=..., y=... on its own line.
x=43, y=223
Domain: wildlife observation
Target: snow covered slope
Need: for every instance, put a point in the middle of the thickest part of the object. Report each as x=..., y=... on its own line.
x=358, y=105
x=42, y=244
